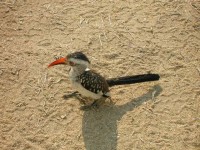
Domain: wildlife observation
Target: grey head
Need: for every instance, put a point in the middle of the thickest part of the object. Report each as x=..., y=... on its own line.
x=78, y=58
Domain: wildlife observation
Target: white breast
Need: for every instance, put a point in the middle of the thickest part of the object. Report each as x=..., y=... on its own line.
x=85, y=92
x=78, y=87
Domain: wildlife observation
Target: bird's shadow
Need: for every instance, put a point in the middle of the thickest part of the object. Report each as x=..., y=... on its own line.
x=99, y=128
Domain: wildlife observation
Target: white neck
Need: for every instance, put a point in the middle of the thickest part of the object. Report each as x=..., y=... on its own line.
x=77, y=70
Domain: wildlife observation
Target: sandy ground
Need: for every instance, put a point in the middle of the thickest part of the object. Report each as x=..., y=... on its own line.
x=120, y=38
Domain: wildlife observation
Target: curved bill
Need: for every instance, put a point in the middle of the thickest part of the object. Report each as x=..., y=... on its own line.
x=58, y=62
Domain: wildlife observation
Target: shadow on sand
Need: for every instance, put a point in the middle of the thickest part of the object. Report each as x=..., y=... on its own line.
x=100, y=127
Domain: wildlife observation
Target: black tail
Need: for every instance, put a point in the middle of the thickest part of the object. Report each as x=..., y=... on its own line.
x=132, y=79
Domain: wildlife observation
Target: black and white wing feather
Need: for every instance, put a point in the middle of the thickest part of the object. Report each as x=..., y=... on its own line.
x=94, y=82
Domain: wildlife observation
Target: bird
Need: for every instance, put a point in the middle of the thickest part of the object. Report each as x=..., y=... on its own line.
x=90, y=84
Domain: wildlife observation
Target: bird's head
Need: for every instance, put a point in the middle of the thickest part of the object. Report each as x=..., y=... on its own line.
x=73, y=59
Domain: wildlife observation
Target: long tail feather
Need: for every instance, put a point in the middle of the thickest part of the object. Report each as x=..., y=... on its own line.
x=132, y=79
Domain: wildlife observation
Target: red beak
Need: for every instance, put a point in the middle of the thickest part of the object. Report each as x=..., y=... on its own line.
x=58, y=61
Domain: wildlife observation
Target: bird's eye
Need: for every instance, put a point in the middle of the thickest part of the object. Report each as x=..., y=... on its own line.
x=71, y=63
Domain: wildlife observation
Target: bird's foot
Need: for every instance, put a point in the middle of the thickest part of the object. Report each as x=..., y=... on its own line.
x=67, y=96
x=94, y=105
x=76, y=95
x=86, y=107
x=81, y=100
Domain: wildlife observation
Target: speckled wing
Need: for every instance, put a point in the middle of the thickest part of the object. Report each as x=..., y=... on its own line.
x=94, y=82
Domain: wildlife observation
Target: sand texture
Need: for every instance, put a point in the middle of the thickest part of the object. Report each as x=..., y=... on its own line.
x=122, y=37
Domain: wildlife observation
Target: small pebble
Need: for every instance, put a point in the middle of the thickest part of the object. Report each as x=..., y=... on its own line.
x=63, y=116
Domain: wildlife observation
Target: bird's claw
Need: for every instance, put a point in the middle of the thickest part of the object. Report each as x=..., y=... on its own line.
x=85, y=107
x=67, y=96
x=94, y=106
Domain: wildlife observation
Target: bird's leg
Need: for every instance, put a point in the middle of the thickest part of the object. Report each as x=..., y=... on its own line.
x=74, y=94
x=98, y=102
x=94, y=105
x=85, y=107
x=81, y=99
x=110, y=101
